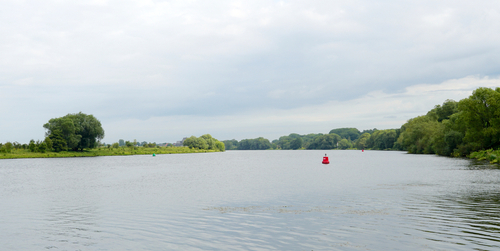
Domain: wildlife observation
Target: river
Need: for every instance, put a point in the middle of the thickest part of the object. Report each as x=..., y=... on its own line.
x=250, y=200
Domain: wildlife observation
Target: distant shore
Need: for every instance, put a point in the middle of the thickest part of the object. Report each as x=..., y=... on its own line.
x=102, y=151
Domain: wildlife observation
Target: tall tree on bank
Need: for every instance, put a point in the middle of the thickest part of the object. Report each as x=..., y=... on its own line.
x=456, y=128
x=77, y=130
x=481, y=115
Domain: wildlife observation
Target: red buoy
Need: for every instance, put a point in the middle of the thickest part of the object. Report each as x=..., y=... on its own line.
x=325, y=160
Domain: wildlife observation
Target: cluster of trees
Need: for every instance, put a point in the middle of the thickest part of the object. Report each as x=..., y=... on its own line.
x=249, y=144
x=456, y=128
x=38, y=146
x=326, y=141
x=6, y=148
x=204, y=142
x=341, y=138
x=451, y=129
x=380, y=140
x=127, y=143
x=294, y=141
x=73, y=132
x=123, y=143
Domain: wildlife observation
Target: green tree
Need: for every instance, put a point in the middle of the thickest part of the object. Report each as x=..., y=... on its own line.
x=453, y=140
x=254, y=144
x=284, y=142
x=442, y=112
x=205, y=142
x=220, y=146
x=420, y=134
x=344, y=144
x=78, y=130
x=90, y=130
x=328, y=141
x=382, y=139
x=195, y=142
x=440, y=131
x=370, y=131
x=48, y=141
x=32, y=146
x=58, y=142
x=8, y=147
x=296, y=143
x=17, y=145
x=231, y=144
x=42, y=147
x=481, y=115
x=347, y=133
x=67, y=128
x=362, y=141
x=210, y=141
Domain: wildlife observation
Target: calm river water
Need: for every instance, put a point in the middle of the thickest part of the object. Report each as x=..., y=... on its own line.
x=250, y=200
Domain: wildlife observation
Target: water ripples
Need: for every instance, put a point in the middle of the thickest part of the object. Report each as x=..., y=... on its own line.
x=459, y=219
x=250, y=201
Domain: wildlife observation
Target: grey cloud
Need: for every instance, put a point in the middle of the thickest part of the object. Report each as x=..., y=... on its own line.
x=134, y=59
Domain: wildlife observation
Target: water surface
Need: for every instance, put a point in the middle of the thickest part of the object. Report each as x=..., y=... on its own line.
x=250, y=200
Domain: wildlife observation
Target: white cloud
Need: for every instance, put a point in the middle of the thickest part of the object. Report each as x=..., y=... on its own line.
x=260, y=61
x=376, y=109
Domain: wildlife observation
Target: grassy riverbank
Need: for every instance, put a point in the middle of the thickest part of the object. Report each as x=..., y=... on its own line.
x=102, y=151
x=490, y=155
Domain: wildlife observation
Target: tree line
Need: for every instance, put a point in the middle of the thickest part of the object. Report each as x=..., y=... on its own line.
x=451, y=129
x=79, y=131
x=456, y=128
x=339, y=138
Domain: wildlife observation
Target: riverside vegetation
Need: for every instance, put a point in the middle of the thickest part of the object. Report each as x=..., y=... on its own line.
x=469, y=127
x=79, y=135
x=101, y=151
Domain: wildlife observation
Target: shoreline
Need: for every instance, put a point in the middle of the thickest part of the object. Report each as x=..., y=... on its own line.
x=97, y=152
x=492, y=156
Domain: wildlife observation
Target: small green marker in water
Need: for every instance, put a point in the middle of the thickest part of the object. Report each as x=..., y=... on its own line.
x=154, y=154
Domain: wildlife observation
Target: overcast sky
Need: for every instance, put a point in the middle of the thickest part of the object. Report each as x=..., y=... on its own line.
x=160, y=70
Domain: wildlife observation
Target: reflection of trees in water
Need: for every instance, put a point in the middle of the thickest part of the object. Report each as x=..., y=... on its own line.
x=481, y=206
x=481, y=165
